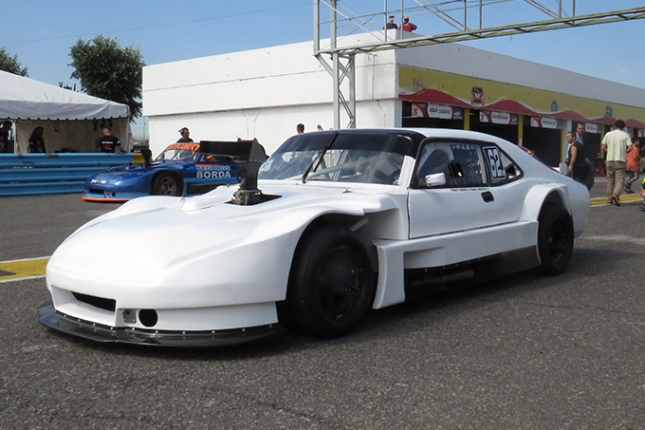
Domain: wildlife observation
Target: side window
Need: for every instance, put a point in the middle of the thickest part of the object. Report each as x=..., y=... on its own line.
x=502, y=169
x=462, y=163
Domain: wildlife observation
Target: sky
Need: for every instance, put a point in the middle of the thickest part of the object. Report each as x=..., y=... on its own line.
x=41, y=32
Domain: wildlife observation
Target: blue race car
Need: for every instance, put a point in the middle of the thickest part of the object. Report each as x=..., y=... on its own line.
x=180, y=169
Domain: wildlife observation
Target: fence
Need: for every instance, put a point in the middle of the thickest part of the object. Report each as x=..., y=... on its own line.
x=31, y=174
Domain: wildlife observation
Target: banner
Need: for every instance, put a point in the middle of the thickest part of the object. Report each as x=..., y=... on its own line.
x=496, y=117
x=432, y=110
x=544, y=122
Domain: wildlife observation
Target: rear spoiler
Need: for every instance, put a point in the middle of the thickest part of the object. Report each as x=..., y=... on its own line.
x=249, y=156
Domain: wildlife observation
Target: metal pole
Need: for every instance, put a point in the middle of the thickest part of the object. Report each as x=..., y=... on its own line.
x=336, y=66
x=481, y=15
x=352, y=91
x=465, y=16
x=316, y=26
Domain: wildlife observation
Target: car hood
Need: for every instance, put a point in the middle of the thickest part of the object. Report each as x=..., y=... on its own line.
x=151, y=235
x=136, y=170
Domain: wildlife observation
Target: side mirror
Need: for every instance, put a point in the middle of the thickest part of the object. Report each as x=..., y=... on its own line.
x=436, y=180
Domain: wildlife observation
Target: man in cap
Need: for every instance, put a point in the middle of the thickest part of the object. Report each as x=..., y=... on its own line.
x=185, y=135
x=391, y=25
x=407, y=25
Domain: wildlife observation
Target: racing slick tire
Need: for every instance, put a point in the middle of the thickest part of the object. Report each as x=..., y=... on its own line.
x=330, y=284
x=167, y=184
x=555, y=239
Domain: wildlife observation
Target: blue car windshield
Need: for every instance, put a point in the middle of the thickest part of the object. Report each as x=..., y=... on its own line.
x=180, y=152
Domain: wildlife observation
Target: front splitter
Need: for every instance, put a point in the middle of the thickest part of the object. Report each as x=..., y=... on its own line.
x=58, y=321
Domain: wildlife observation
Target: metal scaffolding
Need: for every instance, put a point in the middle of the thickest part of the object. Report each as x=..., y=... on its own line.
x=339, y=61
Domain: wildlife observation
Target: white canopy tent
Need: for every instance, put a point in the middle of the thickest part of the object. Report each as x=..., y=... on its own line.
x=69, y=119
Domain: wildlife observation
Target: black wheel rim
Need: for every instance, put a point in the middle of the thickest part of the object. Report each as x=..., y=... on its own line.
x=339, y=283
x=167, y=186
x=558, y=241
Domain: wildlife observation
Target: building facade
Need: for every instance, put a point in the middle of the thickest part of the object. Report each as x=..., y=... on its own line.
x=264, y=93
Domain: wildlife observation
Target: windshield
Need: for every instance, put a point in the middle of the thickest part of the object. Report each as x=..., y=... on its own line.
x=180, y=152
x=373, y=158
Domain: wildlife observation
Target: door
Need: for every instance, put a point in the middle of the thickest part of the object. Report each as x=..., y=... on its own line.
x=466, y=200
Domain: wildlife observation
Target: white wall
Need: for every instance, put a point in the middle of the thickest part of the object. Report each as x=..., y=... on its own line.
x=271, y=126
x=260, y=94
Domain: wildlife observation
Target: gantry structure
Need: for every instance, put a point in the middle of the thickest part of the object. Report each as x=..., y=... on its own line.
x=463, y=18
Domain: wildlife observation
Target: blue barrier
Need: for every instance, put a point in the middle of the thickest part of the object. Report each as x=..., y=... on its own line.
x=32, y=174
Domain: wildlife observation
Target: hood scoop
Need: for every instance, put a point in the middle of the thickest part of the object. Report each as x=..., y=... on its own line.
x=249, y=155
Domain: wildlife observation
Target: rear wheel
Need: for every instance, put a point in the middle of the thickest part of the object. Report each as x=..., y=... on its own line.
x=330, y=284
x=555, y=239
x=167, y=184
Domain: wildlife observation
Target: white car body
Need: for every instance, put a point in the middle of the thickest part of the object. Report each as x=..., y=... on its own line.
x=211, y=272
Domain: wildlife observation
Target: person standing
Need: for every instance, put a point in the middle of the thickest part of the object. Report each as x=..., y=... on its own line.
x=36, y=141
x=407, y=25
x=391, y=25
x=633, y=167
x=109, y=143
x=4, y=136
x=580, y=131
x=300, y=128
x=577, y=167
x=616, y=144
x=185, y=135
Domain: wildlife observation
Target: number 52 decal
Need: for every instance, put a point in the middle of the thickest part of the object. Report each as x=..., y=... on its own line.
x=495, y=161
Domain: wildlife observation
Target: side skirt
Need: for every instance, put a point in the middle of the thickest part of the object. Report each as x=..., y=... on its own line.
x=420, y=282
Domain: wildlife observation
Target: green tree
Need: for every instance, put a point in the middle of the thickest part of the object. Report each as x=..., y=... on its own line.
x=108, y=71
x=11, y=64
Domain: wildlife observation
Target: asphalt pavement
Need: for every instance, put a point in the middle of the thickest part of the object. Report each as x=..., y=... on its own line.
x=522, y=352
x=598, y=192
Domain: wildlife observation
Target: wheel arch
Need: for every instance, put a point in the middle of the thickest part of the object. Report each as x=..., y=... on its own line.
x=350, y=221
x=541, y=197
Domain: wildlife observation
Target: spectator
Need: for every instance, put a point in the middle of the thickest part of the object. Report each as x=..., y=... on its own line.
x=633, y=166
x=300, y=128
x=4, y=136
x=391, y=25
x=185, y=135
x=319, y=127
x=407, y=25
x=109, y=143
x=577, y=167
x=36, y=141
x=616, y=144
x=580, y=131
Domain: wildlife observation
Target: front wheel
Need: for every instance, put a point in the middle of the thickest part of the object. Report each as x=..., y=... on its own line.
x=555, y=240
x=330, y=284
x=167, y=184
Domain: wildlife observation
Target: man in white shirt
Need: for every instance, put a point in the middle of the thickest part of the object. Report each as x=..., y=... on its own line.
x=616, y=144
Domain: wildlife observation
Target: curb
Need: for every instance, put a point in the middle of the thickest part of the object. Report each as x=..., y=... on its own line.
x=602, y=201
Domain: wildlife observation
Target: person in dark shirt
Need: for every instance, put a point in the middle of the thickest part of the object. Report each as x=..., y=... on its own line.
x=577, y=167
x=391, y=25
x=36, y=141
x=109, y=143
x=185, y=135
x=4, y=136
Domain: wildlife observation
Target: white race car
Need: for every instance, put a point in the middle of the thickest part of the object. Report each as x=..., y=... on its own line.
x=334, y=223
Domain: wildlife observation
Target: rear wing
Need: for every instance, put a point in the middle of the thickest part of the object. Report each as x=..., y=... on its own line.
x=249, y=156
